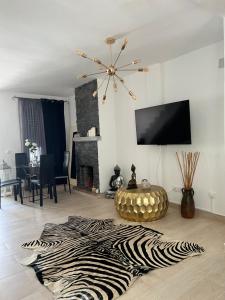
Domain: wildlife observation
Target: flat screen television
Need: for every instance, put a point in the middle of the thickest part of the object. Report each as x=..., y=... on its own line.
x=167, y=124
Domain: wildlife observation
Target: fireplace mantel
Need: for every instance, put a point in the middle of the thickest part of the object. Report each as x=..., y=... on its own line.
x=87, y=138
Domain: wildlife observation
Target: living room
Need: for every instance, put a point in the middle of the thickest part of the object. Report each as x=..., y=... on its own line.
x=110, y=173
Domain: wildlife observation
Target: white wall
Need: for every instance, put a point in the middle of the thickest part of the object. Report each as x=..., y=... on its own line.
x=107, y=146
x=9, y=127
x=196, y=76
x=118, y=134
x=70, y=121
x=193, y=76
x=9, y=123
x=145, y=158
x=72, y=127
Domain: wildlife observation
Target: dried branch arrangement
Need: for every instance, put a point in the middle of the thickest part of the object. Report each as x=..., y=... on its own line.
x=188, y=163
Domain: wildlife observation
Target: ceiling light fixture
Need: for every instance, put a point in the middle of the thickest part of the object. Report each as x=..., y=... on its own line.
x=111, y=71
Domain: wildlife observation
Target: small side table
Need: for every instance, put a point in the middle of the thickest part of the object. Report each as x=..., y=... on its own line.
x=142, y=205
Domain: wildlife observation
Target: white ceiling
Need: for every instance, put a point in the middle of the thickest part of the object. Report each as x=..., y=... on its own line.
x=38, y=38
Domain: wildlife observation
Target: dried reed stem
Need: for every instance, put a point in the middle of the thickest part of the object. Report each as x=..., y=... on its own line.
x=180, y=167
x=188, y=164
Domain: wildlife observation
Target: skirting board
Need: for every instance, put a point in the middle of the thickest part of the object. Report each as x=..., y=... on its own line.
x=200, y=212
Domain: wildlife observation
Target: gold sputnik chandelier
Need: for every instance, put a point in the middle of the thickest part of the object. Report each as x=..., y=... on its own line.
x=112, y=71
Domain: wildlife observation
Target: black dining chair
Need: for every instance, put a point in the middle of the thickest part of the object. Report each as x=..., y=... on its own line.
x=16, y=183
x=65, y=171
x=21, y=162
x=22, y=169
x=46, y=178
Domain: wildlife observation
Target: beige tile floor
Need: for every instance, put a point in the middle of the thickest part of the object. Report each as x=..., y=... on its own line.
x=200, y=277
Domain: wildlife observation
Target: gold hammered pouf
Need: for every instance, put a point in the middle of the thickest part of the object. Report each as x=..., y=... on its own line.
x=142, y=205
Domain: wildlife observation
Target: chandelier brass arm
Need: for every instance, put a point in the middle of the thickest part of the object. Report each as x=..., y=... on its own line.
x=114, y=84
x=104, y=96
x=111, y=71
x=95, y=60
x=137, y=70
x=87, y=75
x=120, y=79
x=100, y=85
x=126, y=88
x=134, y=62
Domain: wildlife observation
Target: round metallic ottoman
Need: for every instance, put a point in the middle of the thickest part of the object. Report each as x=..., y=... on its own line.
x=142, y=205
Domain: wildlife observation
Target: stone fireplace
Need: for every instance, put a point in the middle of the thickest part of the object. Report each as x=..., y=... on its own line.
x=86, y=148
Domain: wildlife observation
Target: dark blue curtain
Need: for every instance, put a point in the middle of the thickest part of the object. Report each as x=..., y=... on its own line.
x=55, y=133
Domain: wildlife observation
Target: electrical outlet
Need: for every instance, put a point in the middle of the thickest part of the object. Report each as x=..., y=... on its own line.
x=176, y=189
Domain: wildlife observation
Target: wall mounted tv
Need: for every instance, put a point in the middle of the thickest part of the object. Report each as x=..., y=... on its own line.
x=167, y=124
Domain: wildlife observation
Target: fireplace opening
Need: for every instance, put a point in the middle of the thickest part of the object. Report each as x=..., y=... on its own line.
x=86, y=177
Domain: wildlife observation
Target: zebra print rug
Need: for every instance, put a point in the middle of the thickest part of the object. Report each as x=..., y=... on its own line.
x=90, y=259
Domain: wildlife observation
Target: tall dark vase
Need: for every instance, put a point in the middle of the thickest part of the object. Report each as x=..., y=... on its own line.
x=187, y=203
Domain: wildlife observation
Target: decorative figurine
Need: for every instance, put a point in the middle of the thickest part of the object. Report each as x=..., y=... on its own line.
x=132, y=184
x=116, y=181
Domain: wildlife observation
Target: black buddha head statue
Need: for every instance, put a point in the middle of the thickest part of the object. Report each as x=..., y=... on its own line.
x=117, y=170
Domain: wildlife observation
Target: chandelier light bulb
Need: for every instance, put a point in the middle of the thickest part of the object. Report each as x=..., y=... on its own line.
x=81, y=53
x=96, y=60
x=124, y=44
x=132, y=95
x=136, y=61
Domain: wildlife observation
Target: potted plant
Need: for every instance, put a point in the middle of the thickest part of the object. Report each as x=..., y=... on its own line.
x=33, y=150
x=188, y=163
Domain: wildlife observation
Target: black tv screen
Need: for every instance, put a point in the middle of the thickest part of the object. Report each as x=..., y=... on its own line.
x=167, y=124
